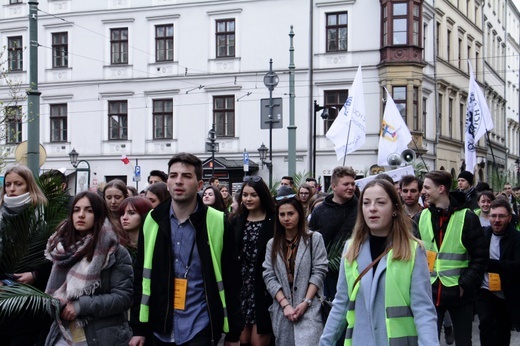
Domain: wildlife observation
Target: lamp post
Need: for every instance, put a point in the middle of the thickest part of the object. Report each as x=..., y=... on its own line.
x=212, y=147
x=82, y=171
x=324, y=116
x=270, y=81
x=262, y=151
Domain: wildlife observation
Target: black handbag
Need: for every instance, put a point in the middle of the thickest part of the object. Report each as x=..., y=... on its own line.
x=325, y=304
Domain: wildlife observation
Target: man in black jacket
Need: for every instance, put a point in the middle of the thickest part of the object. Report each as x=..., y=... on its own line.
x=457, y=253
x=335, y=218
x=176, y=287
x=498, y=300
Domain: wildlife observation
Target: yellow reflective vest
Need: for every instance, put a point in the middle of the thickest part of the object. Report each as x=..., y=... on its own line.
x=452, y=258
x=400, y=325
x=215, y=229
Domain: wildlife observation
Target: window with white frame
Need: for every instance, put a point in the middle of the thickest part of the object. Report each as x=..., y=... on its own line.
x=60, y=49
x=163, y=119
x=224, y=115
x=119, y=46
x=13, y=124
x=336, y=29
x=15, y=53
x=164, y=42
x=58, y=118
x=225, y=38
x=117, y=120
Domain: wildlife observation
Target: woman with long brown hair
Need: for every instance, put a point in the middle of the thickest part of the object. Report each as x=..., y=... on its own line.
x=384, y=279
x=295, y=266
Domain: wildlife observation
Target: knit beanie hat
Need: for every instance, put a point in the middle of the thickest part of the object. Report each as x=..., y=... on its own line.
x=466, y=175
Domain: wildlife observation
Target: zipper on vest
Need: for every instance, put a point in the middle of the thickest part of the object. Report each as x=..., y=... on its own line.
x=170, y=292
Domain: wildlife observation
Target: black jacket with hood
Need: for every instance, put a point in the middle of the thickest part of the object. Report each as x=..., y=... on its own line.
x=475, y=243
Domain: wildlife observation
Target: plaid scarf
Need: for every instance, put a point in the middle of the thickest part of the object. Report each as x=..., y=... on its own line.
x=72, y=274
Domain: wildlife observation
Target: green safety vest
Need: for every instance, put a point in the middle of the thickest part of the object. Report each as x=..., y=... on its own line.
x=452, y=258
x=215, y=229
x=400, y=325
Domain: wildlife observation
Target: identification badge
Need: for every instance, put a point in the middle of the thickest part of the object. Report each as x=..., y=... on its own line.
x=77, y=334
x=431, y=256
x=179, y=298
x=494, y=282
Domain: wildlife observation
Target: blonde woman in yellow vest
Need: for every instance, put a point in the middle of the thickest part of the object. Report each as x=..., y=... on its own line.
x=391, y=303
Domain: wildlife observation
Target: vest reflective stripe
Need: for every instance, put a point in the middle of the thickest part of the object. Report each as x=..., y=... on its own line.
x=150, y=230
x=400, y=325
x=215, y=230
x=452, y=257
x=215, y=227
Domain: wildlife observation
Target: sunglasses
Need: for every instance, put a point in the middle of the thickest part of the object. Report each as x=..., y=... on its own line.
x=284, y=197
x=255, y=178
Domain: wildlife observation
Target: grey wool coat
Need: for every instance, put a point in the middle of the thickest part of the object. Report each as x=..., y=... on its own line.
x=307, y=330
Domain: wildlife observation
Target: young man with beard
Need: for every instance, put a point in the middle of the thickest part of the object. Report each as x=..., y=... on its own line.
x=456, y=251
x=498, y=300
x=410, y=190
x=187, y=272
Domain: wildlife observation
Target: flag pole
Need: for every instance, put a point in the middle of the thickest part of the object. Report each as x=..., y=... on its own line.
x=422, y=158
x=492, y=153
x=346, y=144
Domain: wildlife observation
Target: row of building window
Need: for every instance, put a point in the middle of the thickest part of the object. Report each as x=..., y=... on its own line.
x=225, y=39
x=162, y=113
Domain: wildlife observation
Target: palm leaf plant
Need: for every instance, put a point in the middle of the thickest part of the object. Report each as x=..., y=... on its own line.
x=22, y=242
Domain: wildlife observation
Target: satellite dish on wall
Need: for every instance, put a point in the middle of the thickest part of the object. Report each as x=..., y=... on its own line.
x=20, y=154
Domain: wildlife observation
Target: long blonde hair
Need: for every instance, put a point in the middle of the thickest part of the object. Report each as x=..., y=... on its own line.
x=400, y=233
x=36, y=194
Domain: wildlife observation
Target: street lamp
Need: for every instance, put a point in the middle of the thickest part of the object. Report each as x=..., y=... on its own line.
x=262, y=151
x=324, y=116
x=82, y=171
x=212, y=147
x=271, y=80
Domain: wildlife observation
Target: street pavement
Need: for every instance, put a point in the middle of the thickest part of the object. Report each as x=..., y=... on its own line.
x=515, y=336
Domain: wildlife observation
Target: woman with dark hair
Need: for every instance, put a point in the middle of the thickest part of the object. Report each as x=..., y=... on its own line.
x=157, y=193
x=114, y=193
x=254, y=224
x=91, y=276
x=295, y=266
x=384, y=279
x=211, y=197
x=132, y=213
x=484, y=199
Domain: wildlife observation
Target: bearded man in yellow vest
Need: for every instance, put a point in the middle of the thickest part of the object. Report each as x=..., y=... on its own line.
x=456, y=250
x=187, y=273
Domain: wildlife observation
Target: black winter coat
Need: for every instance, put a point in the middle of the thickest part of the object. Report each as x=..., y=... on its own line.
x=163, y=274
x=262, y=298
x=508, y=267
x=473, y=240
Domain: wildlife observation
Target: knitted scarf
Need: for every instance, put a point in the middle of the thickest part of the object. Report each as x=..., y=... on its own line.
x=72, y=274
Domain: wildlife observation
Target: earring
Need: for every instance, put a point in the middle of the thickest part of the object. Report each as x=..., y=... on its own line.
x=394, y=214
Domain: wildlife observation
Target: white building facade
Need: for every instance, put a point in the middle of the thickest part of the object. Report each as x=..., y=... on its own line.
x=149, y=78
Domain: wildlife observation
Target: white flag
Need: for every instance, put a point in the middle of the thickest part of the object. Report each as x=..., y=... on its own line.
x=348, y=132
x=394, y=136
x=478, y=120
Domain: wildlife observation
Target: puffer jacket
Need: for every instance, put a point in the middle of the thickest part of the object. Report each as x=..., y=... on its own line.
x=108, y=306
x=475, y=243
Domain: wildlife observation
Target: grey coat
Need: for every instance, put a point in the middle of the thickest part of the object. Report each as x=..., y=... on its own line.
x=370, y=328
x=108, y=306
x=307, y=330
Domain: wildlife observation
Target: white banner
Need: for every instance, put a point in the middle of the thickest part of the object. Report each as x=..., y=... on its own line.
x=396, y=174
x=348, y=131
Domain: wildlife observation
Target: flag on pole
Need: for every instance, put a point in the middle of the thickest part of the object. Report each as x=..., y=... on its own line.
x=394, y=136
x=348, y=131
x=125, y=159
x=478, y=120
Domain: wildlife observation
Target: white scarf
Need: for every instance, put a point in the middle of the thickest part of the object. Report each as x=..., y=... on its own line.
x=17, y=201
